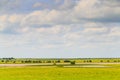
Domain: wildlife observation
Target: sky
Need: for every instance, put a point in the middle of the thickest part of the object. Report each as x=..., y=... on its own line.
x=59, y=28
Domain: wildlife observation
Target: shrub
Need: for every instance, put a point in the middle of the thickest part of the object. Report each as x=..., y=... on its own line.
x=72, y=62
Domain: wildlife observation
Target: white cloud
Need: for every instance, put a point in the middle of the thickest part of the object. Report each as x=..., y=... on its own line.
x=15, y=18
x=97, y=11
x=114, y=3
x=115, y=31
x=63, y=36
x=85, y=10
x=95, y=30
x=3, y=18
x=68, y=4
x=72, y=27
x=2, y=26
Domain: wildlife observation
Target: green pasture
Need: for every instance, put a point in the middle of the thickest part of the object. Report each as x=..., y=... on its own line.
x=111, y=72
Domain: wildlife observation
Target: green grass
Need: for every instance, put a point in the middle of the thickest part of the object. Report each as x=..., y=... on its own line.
x=59, y=73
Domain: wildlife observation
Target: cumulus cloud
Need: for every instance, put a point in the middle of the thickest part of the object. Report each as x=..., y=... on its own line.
x=82, y=23
x=113, y=3
x=84, y=10
x=67, y=4
x=97, y=10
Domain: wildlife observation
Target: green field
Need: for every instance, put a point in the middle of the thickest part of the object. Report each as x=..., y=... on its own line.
x=110, y=72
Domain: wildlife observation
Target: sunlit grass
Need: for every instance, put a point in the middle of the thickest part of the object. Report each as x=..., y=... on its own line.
x=59, y=73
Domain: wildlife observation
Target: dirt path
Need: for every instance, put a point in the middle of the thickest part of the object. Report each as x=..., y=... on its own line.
x=50, y=64
x=16, y=65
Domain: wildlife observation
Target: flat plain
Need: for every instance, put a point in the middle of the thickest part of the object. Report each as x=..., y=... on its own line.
x=58, y=72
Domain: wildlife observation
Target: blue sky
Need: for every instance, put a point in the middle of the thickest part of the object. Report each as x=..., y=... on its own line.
x=60, y=28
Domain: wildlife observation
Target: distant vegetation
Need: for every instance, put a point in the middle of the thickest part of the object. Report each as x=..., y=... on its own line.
x=57, y=60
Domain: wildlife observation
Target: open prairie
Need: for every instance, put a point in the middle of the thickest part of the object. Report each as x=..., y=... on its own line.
x=58, y=72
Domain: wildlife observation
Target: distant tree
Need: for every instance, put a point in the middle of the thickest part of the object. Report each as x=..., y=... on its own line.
x=87, y=60
x=115, y=61
x=72, y=62
x=14, y=61
x=90, y=60
x=40, y=61
x=101, y=61
x=84, y=61
x=108, y=61
x=48, y=61
x=58, y=61
x=22, y=61
x=2, y=61
x=66, y=61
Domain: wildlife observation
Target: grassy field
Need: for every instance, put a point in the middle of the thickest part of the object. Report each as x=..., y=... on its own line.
x=110, y=72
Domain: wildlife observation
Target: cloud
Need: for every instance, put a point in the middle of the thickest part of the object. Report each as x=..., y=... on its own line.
x=75, y=12
x=46, y=17
x=56, y=5
x=67, y=4
x=10, y=23
x=82, y=24
x=97, y=10
x=115, y=3
x=41, y=5
x=64, y=36
x=83, y=11
x=9, y=6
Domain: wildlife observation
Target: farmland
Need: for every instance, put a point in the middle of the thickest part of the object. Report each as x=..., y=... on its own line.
x=60, y=69
x=111, y=72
